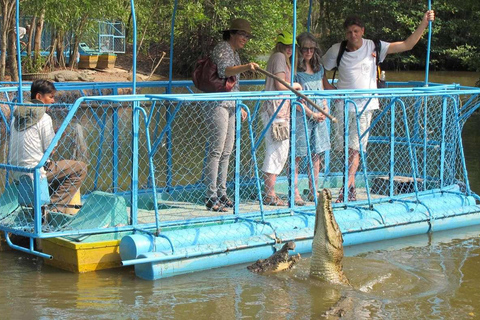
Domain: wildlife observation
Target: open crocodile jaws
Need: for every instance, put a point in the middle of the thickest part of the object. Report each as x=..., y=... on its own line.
x=327, y=247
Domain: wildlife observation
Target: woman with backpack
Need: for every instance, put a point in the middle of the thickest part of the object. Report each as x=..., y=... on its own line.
x=220, y=118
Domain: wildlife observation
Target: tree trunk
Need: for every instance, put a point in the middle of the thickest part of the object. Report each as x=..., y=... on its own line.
x=12, y=55
x=8, y=7
x=51, y=61
x=72, y=62
x=37, y=47
x=60, y=48
x=3, y=44
x=30, y=37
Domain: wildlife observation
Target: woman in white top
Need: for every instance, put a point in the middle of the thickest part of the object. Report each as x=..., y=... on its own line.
x=276, y=152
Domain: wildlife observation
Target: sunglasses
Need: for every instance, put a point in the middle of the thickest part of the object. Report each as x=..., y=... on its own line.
x=307, y=49
x=244, y=34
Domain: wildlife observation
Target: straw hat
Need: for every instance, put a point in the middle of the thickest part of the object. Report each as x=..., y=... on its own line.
x=240, y=25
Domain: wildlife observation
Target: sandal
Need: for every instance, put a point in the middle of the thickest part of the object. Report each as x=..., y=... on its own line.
x=340, y=197
x=352, y=195
x=299, y=202
x=273, y=201
x=212, y=204
x=226, y=201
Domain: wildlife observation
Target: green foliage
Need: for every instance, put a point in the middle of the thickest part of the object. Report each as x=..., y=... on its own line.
x=467, y=54
x=32, y=65
x=198, y=25
x=198, y=28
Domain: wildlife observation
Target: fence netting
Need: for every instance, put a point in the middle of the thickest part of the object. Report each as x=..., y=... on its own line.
x=141, y=161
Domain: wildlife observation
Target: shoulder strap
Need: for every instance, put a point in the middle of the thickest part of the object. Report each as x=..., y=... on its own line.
x=341, y=51
x=378, y=49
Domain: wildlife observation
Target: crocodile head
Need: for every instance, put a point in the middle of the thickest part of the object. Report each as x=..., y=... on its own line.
x=327, y=247
x=279, y=261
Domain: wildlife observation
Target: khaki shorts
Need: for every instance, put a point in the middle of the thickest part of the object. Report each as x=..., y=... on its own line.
x=353, y=139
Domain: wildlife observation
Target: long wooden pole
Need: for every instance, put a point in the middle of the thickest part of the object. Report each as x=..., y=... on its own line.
x=299, y=94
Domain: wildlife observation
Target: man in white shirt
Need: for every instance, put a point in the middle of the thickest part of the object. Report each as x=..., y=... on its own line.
x=357, y=70
x=30, y=136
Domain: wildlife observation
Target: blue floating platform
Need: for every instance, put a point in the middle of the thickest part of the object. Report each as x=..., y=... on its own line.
x=194, y=249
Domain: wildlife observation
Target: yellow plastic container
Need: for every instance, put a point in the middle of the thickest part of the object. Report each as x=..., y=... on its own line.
x=88, y=61
x=106, y=60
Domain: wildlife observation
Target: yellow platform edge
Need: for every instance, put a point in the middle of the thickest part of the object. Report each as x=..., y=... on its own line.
x=82, y=257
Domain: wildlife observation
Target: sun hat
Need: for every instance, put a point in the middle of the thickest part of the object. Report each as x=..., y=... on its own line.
x=240, y=24
x=285, y=37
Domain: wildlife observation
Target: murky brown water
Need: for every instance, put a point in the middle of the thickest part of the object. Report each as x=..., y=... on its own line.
x=429, y=277
x=424, y=277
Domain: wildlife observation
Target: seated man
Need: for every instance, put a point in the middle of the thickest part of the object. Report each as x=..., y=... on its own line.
x=31, y=134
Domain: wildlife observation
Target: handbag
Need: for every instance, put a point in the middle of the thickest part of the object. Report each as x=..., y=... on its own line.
x=280, y=130
x=205, y=77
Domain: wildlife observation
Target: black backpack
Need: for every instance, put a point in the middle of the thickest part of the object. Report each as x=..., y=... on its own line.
x=378, y=48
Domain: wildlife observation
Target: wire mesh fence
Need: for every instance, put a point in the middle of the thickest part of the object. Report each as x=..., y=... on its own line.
x=111, y=36
x=142, y=161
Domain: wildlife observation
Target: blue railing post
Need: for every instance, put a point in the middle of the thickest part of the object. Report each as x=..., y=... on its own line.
x=172, y=35
x=392, y=151
x=134, y=65
x=425, y=141
x=115, y=147
x=134, y=182
x=19, y=49
x=442, y=142
x=291, y=175
x=238, y=140
x=427, y=64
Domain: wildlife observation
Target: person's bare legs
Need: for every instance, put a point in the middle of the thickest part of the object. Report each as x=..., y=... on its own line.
x=271, y=197
x=270, y=180
x=297, y=164
x=353, y=164
x=316, y=171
